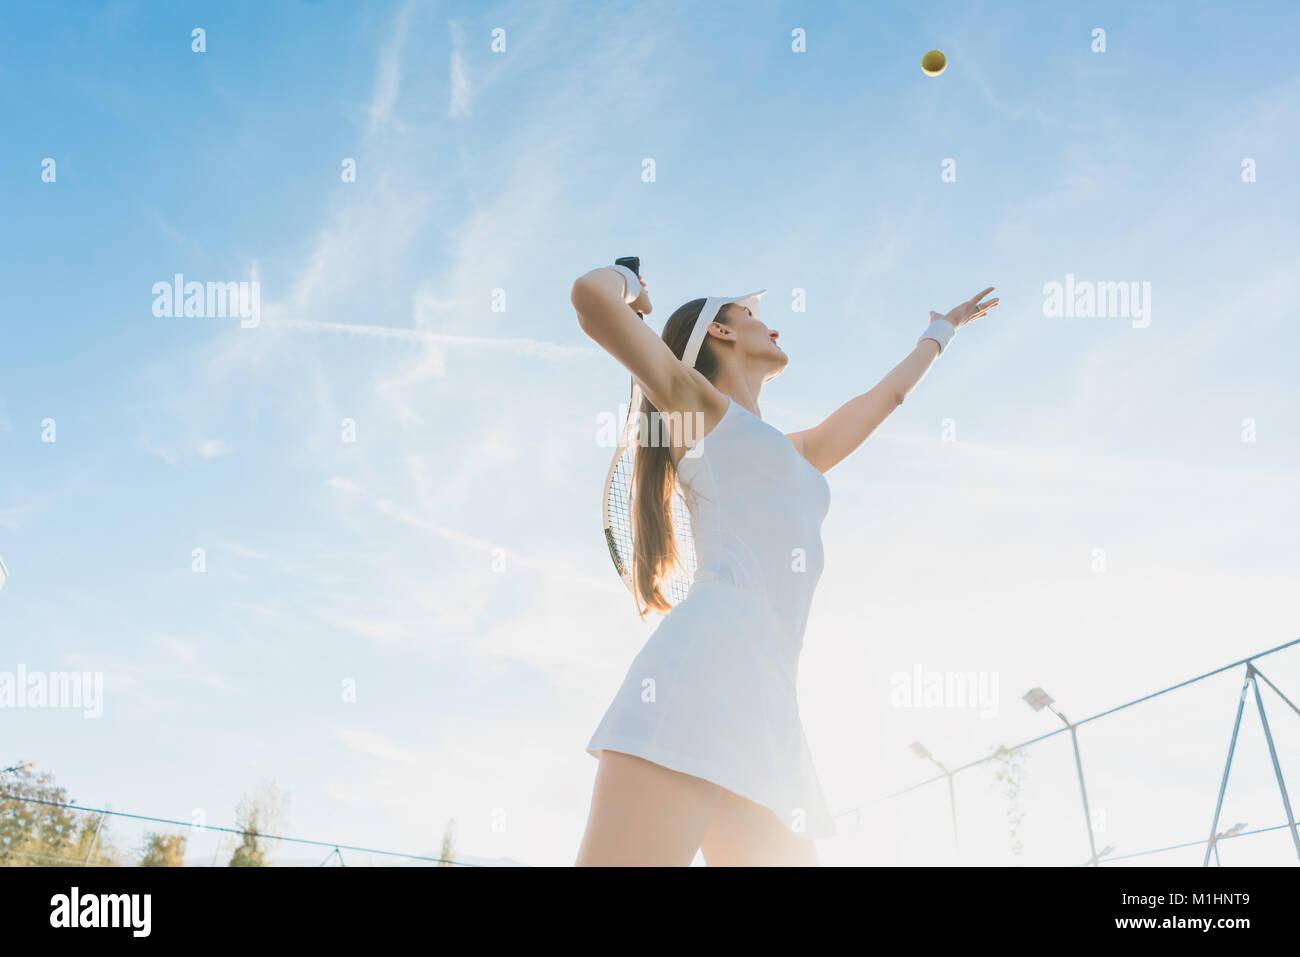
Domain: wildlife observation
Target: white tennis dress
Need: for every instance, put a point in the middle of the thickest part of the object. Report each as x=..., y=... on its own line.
x=712, y=692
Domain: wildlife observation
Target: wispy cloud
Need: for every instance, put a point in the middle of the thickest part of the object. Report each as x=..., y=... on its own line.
x=378, y=746
x=371, y=629
x=520, y=346
x=243, y=551
x=214, y=448
x=340, y=484
x=388, y=73
x=460, y=90
x=12, y=518
x=160, y=452
x=549, y=566
x=185, y=651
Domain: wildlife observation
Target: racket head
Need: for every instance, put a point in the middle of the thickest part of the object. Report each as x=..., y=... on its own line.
x=616, y=514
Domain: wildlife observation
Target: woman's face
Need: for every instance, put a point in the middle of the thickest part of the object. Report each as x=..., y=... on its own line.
x=754, y=343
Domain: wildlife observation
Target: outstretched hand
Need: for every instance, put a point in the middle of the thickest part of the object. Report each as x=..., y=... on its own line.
x=968, y=311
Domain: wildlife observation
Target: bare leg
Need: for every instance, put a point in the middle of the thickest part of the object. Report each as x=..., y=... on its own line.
x=643, y=814
x=745, y=834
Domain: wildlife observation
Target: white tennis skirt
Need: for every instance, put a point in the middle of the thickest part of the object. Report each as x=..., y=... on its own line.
x=712, y=694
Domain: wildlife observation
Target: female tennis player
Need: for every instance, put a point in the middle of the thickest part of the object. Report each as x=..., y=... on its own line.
x=702, y=748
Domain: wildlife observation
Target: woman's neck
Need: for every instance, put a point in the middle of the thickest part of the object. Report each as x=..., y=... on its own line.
x=744, y=388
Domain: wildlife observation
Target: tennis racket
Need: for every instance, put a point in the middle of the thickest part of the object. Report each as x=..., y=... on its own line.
x=616, y=501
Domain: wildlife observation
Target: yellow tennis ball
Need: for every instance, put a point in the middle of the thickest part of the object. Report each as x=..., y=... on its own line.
x=933, y=63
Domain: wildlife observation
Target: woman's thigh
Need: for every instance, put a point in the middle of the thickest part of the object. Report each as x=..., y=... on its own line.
x=745, y=834
x=645, y=814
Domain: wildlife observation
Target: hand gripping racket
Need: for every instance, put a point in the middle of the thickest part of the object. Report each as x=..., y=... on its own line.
x=618, y=496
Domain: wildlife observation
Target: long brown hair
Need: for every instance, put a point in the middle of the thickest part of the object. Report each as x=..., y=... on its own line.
x=654, y=552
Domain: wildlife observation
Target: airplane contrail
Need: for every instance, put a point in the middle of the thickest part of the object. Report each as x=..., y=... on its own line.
x=548, y=350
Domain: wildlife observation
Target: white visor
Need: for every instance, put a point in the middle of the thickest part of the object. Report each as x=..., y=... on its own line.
x=712, y=305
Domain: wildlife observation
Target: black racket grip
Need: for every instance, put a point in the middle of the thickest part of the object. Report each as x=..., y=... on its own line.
x=633, y=263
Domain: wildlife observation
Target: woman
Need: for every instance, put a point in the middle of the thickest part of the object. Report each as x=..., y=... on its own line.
x=702, y=748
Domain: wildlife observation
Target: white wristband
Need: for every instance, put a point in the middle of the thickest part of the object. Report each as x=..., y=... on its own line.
x=631, y=284
x=941, y=331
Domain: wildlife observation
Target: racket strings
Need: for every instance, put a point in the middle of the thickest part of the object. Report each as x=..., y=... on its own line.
x=684, y=573
x=677, y=582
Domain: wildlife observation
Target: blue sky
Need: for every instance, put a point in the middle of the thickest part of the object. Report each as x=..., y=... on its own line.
x=518, y=171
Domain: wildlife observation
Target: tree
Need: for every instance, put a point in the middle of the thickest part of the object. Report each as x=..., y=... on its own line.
x=448, y=844
x=163, y=850
x=1009, y=772
x=93, y=847
x=30, y=831
x=258, y=815
x=249, y=853
x=36, y=833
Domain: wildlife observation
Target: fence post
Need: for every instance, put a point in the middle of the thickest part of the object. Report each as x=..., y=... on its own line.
x=94, y=840
x=1223, y=785
x=1272, y=752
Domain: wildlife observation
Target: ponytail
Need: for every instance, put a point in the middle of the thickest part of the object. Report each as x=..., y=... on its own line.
x=655, y=551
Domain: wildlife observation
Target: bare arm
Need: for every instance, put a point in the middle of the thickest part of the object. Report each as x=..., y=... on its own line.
x=844, y=430
x=614, y=325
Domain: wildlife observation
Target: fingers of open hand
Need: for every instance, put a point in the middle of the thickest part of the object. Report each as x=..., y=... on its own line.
x=970, y=310
x=976, y=307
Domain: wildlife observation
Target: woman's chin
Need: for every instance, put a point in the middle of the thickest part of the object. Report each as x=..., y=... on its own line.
x=777, y=369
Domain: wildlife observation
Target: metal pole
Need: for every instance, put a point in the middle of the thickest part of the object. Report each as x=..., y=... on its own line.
x=94, y=840
x=1276, y=690
x=1223, y=785
x=952, y=803
x=1087, y=814
x=1277, y=768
